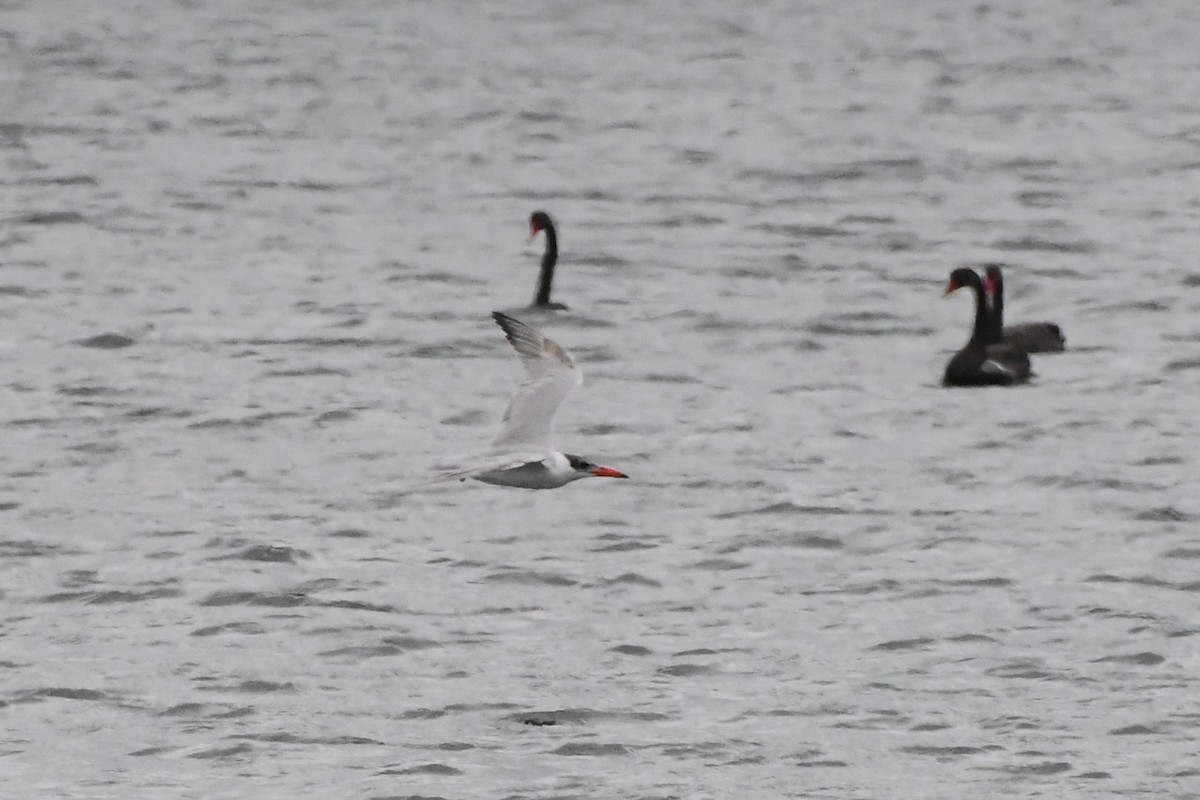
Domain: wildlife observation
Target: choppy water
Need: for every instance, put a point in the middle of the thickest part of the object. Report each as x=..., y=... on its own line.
x=247, y=256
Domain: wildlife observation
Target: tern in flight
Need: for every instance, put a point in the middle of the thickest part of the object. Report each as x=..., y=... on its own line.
x=522, y=454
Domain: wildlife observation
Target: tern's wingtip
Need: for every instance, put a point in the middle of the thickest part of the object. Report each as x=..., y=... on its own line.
x=506, y=321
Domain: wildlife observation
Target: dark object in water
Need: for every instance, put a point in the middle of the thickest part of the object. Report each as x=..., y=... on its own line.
x=1032, y=337
x=984, y=361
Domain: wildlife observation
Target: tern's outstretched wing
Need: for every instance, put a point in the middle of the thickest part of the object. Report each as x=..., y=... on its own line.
x=551, y=374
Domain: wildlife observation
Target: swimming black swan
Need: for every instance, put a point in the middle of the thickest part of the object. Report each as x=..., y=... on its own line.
x=983, y=361
x=539, y=221
x=1032, y=337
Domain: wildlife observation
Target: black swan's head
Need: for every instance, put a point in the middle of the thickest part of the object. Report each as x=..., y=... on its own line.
x=994, y=279
x=539, y=221
x=961, y=277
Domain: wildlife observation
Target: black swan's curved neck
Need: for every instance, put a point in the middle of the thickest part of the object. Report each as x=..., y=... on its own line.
x=995, y=286
x=981, y=331
x=549, y=259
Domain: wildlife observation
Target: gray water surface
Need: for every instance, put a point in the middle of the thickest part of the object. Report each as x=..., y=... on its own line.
x=248, y=253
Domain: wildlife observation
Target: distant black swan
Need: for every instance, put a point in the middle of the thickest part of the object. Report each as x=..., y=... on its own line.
x=984, y=361
x=1032, y=337
x=539, y=221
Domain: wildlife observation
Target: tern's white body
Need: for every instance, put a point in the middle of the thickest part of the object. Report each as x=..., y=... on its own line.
x=522, y=454
x=549, y=472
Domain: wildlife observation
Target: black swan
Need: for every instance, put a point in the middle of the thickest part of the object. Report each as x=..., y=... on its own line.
x=1032, y=337
x=539, y=221
x=984, y=361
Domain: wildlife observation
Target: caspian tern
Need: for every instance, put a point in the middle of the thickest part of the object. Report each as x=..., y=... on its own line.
x=521, y=454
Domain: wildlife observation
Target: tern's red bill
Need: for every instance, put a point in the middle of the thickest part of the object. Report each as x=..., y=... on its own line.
x=608, y=472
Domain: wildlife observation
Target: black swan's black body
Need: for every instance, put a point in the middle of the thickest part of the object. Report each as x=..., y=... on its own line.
x=1032, y=337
